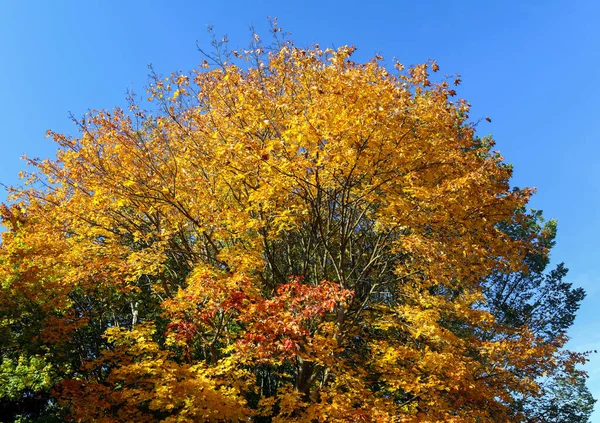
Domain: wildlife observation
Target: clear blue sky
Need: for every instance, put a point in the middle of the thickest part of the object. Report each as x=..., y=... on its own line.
x=529, y=65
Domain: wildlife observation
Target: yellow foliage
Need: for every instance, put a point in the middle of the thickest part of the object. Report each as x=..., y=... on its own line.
x=304, y=239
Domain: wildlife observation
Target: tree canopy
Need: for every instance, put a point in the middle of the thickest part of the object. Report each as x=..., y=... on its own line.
x=286, y=235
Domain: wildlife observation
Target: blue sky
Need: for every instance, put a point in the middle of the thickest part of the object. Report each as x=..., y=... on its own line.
x=529, y=65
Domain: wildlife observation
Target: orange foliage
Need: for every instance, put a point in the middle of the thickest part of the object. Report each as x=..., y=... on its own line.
x=303, y=240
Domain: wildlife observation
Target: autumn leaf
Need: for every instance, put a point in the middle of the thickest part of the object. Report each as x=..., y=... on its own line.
x=306, y=238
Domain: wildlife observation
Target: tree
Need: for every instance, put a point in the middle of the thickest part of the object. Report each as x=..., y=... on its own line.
x=546, y=304
x=297, y=237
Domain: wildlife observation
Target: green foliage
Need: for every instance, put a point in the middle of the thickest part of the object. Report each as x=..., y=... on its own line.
x=25, y=373
x=25, y=383
x=547, y=304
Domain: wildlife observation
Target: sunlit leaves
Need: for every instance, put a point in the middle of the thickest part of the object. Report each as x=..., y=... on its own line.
x=302, y=239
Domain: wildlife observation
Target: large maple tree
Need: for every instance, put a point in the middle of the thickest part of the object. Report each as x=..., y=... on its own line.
x=286, y=236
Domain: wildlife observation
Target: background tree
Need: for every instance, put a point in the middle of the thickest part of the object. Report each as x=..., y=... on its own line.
x=546, y=304
x=296, y=237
